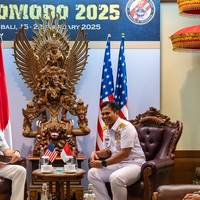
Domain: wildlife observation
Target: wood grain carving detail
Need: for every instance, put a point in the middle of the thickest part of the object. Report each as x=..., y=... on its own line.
x=51, y=68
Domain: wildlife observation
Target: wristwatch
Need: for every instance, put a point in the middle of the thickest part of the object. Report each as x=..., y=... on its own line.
x=104, y=163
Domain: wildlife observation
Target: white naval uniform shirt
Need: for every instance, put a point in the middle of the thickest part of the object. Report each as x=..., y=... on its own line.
x=127, y=137
x=3, y=143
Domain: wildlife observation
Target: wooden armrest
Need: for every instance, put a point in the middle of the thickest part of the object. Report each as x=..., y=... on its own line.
x=175, y=192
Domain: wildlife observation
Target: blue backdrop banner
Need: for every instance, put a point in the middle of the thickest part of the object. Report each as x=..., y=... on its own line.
x=138, y=19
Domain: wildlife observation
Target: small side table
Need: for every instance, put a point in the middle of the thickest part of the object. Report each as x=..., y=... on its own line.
x=60, y=178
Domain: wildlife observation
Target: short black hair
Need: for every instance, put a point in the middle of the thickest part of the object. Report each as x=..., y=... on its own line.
x=111, y=104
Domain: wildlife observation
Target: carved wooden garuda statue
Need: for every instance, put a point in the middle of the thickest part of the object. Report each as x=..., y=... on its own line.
x=51, y=68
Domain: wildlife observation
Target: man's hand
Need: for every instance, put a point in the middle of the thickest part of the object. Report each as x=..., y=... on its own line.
x=15, y=157
x=96, y=163
x=191, y=197
x=94, y=156
x=2, y=164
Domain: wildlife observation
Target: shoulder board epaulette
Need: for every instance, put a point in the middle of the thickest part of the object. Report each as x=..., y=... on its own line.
x=122, y=125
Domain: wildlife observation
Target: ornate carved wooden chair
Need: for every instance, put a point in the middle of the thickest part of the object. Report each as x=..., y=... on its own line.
x=158, y=137
x=5, y=184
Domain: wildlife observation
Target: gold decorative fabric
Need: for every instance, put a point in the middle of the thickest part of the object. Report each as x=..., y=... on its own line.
x=189, y=6
x=186, y=38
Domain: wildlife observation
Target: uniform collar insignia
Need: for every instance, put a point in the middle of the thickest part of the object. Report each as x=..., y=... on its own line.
x=105, y=127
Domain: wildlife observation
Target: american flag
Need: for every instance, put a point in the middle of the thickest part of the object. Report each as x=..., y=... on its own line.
x=51, y=152
x=107, y=91
x=121, y=83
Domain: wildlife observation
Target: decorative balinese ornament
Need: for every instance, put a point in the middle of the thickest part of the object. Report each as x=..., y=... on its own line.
x=51, y=68
x=186, y=38
x=189, y=7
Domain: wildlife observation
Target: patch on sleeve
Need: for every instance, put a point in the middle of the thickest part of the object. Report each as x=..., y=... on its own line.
x=122, y=125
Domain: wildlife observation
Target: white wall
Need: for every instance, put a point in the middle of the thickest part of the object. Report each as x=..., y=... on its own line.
x=180, y=78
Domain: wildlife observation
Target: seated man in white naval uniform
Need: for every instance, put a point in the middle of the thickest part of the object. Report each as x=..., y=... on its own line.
x=13, y=172
x=123, y=166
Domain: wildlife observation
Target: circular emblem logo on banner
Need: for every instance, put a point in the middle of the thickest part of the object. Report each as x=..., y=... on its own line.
x=140, y=11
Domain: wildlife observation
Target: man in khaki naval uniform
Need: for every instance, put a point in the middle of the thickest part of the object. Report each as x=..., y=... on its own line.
x=15, y=173
x=123, y=166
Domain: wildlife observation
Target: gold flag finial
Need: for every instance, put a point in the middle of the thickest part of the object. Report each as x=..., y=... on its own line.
x=109, y=35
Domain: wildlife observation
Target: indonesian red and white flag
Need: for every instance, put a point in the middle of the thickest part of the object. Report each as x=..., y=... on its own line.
x=5, y=127
x=66, y=153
